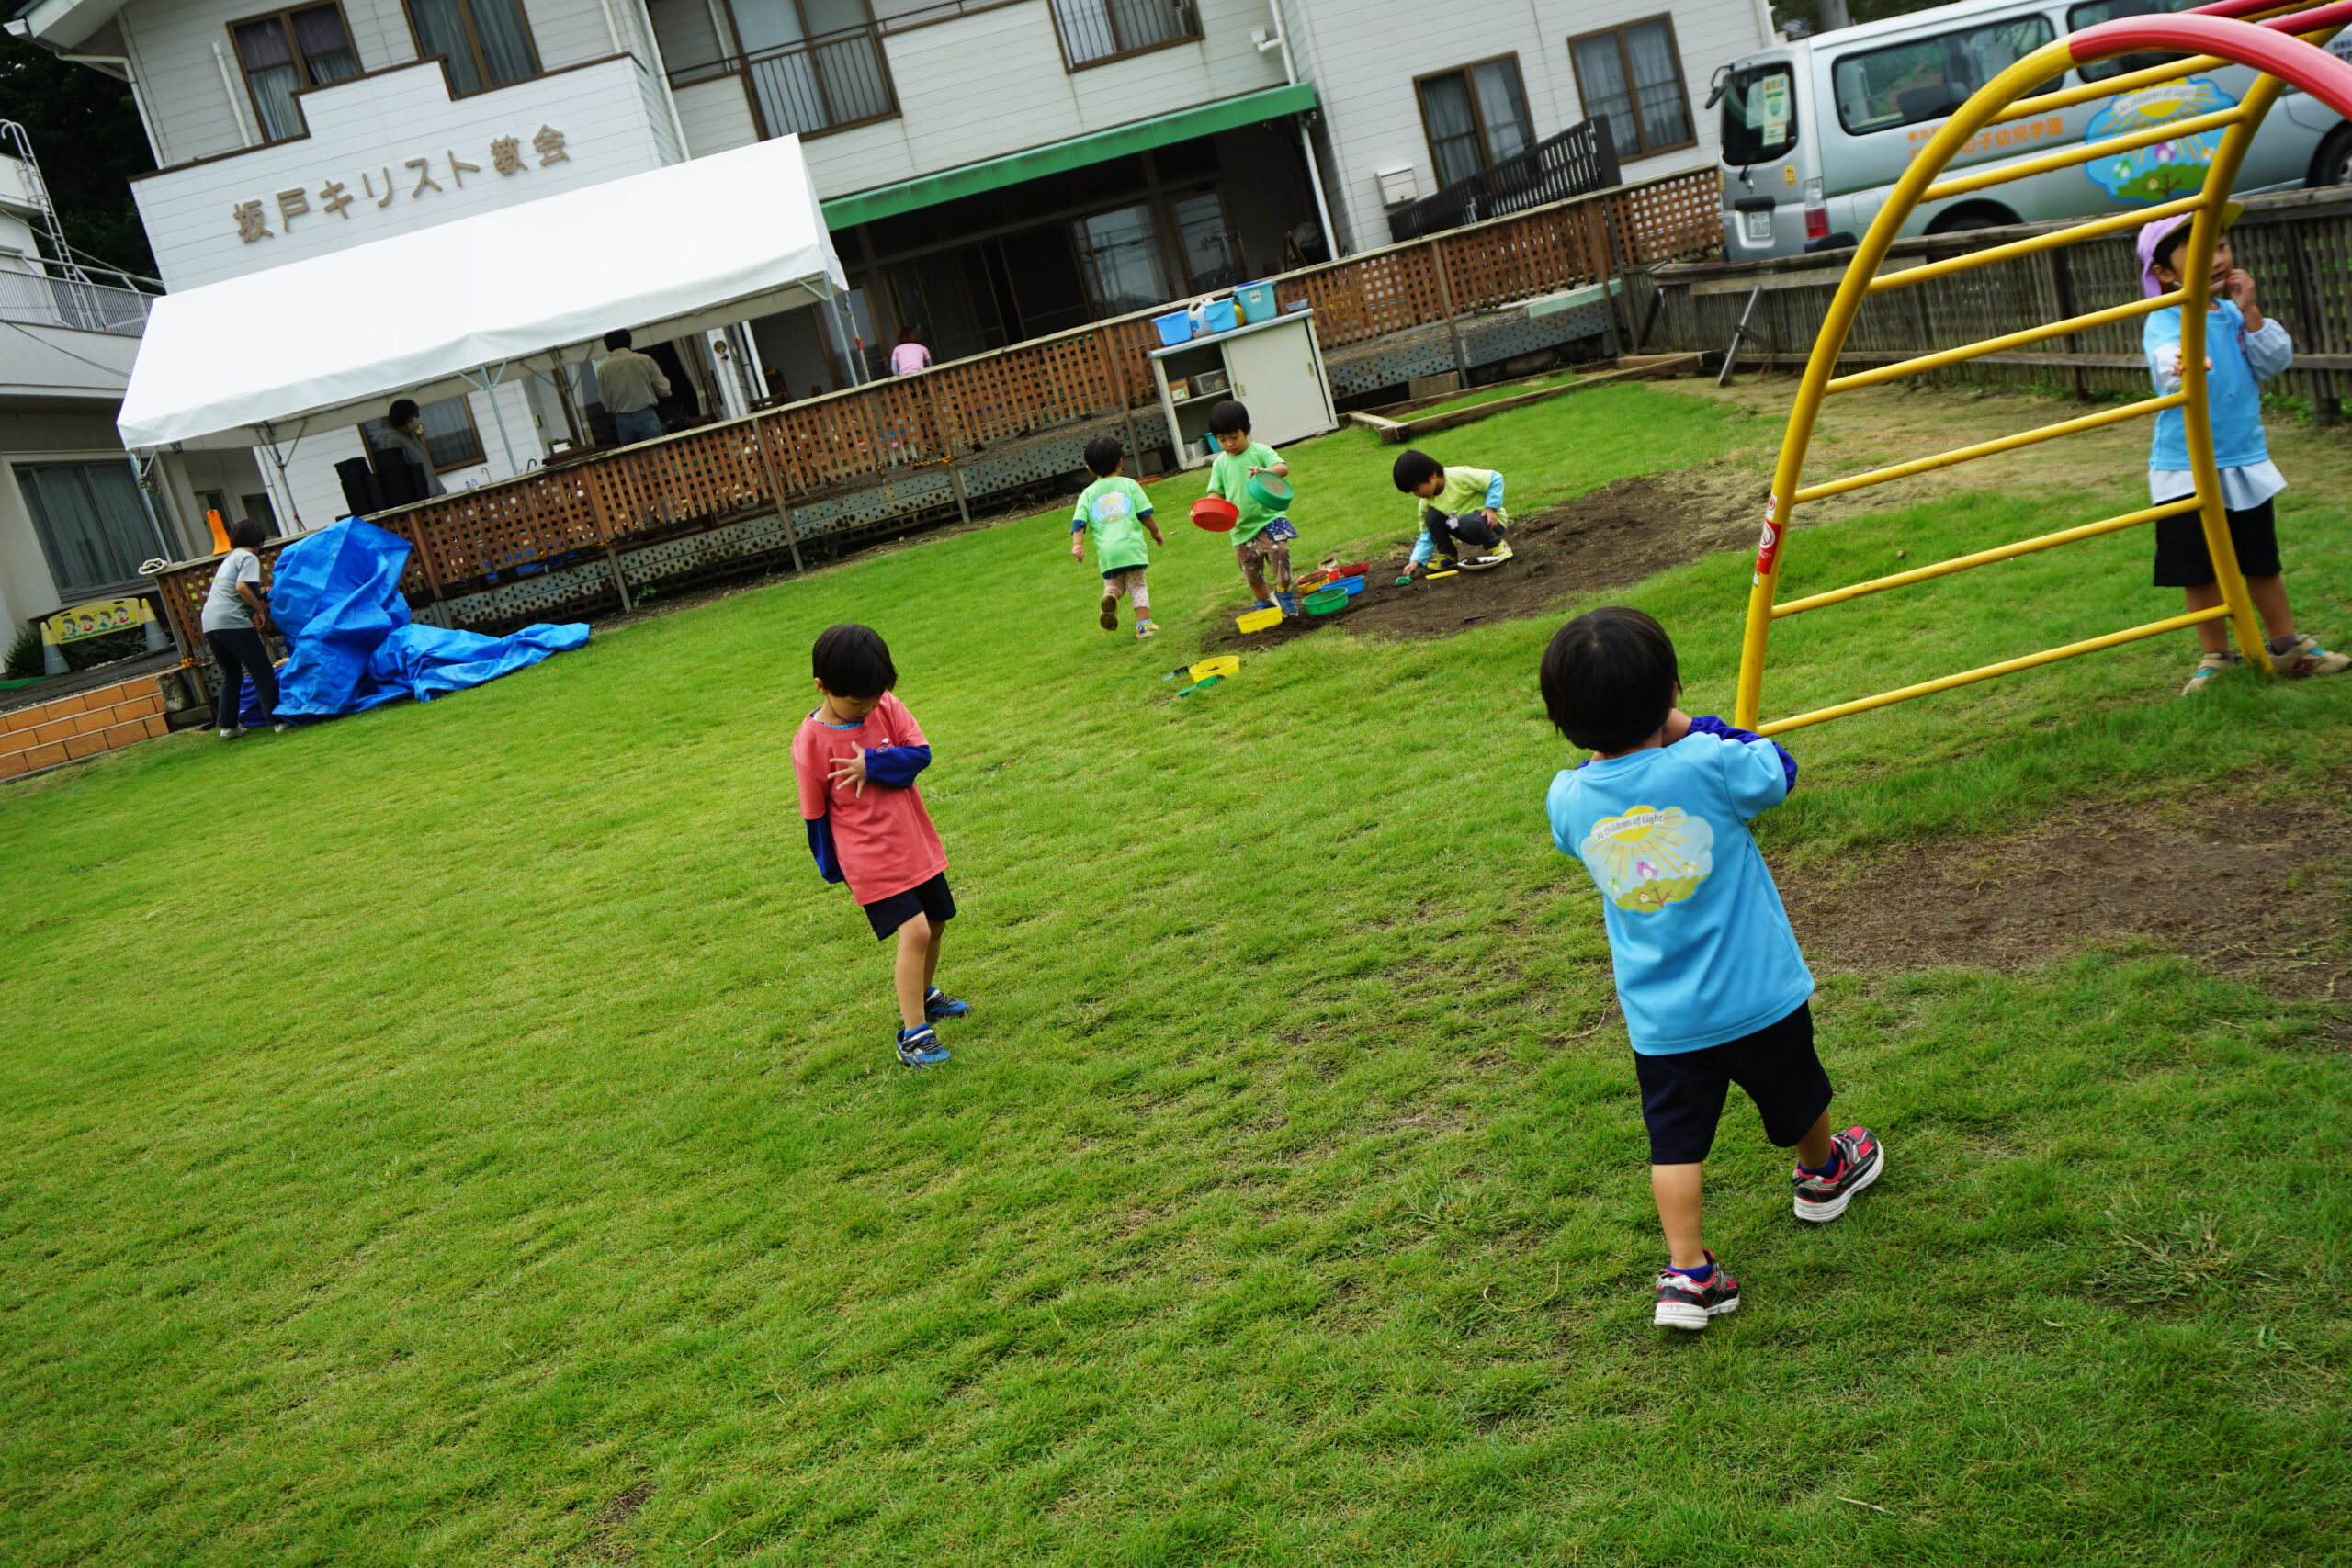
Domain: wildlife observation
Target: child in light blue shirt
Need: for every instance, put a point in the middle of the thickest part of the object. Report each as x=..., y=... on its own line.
x=1712, y=986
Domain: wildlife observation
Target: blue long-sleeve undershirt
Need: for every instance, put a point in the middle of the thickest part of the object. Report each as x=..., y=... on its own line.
x=1707, y=724
x=894, y=767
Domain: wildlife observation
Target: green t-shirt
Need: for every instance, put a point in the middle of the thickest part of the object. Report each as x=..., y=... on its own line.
x=1465, y=490
x=1229, y=477
x=1112, y=510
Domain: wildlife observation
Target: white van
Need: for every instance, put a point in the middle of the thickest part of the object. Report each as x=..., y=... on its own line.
x=1817, y=131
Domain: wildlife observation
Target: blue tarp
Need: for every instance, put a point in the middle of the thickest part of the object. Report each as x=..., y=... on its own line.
x=336, y=597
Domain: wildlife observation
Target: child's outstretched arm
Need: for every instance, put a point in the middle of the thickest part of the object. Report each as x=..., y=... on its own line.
x=897, y=765
x=1078, y=535
x=1150, y=525
x=816, y=814
x=1494, y=501
x=1707, y=724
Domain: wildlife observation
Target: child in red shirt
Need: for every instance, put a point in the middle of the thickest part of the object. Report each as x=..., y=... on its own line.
x=856, y=758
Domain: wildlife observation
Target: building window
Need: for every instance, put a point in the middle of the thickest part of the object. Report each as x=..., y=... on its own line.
x=814, y=65
x=450, y=435
x=284, y=53
x=1096, y=31
x=1632, y=77
x=486, y=43
x=1475, y=116
x=92, y=525
x=1120, y=255
x=1210, y=246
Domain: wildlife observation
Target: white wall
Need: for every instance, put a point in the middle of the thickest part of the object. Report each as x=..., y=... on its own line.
x=1350, y=49
x=610, y=116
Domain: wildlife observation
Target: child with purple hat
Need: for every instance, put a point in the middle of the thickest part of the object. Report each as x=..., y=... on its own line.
x=2243, y=349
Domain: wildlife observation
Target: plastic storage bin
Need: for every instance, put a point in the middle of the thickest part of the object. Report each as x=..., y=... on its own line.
x=1257, y=302
x=1174, y=328
x=1219, y=316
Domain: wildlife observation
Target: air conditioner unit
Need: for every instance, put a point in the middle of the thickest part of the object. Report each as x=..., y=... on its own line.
x=1398, y=186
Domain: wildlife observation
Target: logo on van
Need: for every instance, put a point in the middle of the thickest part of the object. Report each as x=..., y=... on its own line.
x=2167, y=170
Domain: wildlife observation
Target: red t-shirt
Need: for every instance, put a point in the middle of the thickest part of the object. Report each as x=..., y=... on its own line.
x=883, y=837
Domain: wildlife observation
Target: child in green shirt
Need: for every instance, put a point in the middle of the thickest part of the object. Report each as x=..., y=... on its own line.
x=1120, y=514
x=1452, y=507
x=1261, y=539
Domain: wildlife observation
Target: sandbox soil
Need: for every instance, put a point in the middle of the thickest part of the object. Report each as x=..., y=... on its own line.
x=1612, y=538
x=2244, y=886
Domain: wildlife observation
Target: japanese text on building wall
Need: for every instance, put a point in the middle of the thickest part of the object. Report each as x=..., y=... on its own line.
x=378, y=187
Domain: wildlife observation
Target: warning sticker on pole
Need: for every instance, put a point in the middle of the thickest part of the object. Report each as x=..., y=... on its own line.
x=1768, y=549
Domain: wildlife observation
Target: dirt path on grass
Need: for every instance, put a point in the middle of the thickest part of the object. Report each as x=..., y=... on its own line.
x=2255, y=888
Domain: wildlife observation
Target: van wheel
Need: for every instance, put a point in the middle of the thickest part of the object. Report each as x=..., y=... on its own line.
x=2333, y=166
x=1972, y=215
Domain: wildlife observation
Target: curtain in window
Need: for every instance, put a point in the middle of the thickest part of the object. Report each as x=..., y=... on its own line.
x=1665, y=118
x=1453, y=132
x=1601, y=72
x=1504, y=108
x=1086, y=32
x=441, y=30
x=270, y=69
x=318, y=33
x=91, y=528
x=505, y=39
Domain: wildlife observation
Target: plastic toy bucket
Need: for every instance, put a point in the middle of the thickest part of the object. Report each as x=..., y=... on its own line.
x=1323, y=601
x=1218, y=316
x=1216, y=513
x=1257, y=302
x=1271, y=491
x=1224, y=664
x=1174, y=328
x=1351, y=586
x=1259, y=620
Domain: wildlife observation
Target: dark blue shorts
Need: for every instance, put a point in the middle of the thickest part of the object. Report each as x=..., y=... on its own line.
x=2183, y=561
x=1682, y=1095
x=928, y=898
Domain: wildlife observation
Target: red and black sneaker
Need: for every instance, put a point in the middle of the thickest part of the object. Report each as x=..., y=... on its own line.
x=1860, y=1158
x=1686, y=1303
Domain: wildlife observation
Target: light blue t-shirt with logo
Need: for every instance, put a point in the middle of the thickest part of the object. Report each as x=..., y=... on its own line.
x=1702, y=948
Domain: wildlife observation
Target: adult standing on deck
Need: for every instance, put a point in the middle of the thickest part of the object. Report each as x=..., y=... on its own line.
x=631, y=383
x=406, y=422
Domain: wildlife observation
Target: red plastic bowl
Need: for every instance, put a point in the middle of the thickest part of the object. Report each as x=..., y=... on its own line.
x=1216, y=513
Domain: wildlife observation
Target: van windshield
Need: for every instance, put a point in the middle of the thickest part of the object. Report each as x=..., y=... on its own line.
x=1927, y=78
x=2091, y=15
x=1759, y=115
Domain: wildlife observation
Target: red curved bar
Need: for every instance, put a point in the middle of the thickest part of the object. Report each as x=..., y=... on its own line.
x=2281, y=54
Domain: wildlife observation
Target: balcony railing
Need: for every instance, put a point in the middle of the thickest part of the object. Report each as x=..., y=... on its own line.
x=829, y=83
x=1578, y=161
x=36, y=301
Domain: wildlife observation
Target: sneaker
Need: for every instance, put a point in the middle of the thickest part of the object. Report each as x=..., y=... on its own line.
x=1860, y=1158
x=937, y=1003
x=1147, y=628
x=1262, y=604
x=2304, y=656
x=2213, y=664
x=281, y=727
x=1501, y=552
x=1685, y=1302
x=1448, y=563
x=920, y=1048
x=1289, y=602
x=233, y=734
x=1110, y=612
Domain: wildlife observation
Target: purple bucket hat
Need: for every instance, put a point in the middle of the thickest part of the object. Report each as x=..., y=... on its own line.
x=2152, y=235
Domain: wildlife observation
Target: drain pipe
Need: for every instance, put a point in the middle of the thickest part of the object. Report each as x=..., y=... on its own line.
x=1306, y=143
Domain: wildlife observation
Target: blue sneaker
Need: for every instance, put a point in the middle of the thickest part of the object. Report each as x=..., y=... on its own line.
x=1289, y=602
x=920, y=1048
x=1262, y=604
x=937, y=1003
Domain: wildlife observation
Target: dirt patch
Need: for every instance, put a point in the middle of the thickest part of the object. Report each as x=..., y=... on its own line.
x=1611, y=538
x=2258, y=890
x=601, y=1546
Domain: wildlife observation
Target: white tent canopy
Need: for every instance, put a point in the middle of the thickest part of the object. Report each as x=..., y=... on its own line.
x=323, y=342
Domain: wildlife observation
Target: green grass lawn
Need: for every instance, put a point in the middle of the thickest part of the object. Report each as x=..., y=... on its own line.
x=425, y=1129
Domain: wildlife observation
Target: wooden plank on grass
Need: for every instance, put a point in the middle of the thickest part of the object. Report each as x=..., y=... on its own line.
x=1650, y=367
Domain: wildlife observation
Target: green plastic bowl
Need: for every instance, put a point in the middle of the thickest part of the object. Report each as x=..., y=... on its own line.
x=1326, y=601
x=1271, y=491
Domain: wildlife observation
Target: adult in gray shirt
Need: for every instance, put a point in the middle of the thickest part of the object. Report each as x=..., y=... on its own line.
x=235, y=615
x=631, y=383
x=407, y=423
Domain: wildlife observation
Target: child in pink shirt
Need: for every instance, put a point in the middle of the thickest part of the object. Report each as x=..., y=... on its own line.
x=856, y=758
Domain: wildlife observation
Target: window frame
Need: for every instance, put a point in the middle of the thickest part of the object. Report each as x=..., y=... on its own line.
x=1940, y=40
x=1069, y=67
x=2122, y=64
x=37, y=525
x=473, y=40
x=473, y=426
x=1626, y=64
x=1477, y=110
x=284, y=18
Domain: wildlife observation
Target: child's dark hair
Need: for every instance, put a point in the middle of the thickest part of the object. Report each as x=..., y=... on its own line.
x=1104, y=456
x=1609, y=678
x=245, y=533
x=1415, y=469
x=2174, y=238
x=853, y=661
x=1228, y=418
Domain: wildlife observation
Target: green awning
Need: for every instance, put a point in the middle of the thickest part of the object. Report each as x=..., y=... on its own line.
x=889, y=202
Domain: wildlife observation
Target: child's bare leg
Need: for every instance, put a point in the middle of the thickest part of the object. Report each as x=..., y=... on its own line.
x=1252, y=572
x=1818, y=1145
x=2269, y=596
x=2213, y=636
x=918, y=956
x=1676, y=1188
x=931, y=963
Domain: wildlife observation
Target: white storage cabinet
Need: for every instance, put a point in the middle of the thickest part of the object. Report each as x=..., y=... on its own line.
x=1275, y=366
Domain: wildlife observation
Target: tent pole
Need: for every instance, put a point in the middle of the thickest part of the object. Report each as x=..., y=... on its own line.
x=293, y=508
x=490, y=387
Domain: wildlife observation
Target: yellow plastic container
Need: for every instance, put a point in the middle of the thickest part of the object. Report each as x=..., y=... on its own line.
x=1259, y=620
x=1224, y=664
